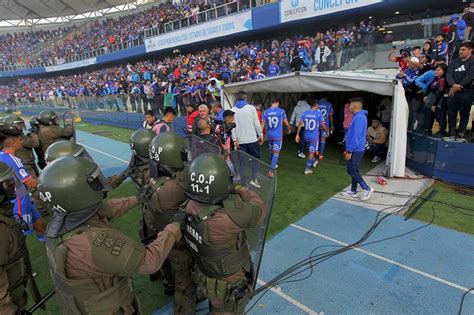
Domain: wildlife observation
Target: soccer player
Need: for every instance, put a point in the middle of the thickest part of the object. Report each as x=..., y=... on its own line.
x=273, y=120
x=326, y=110
x=312, y=120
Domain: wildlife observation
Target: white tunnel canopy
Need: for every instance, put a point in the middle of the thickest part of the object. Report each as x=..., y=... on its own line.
x=288, y=87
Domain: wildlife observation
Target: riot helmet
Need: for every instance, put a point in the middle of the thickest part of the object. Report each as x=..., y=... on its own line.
x=34, y=123
x=48, y=118
x=73, y=188
x=207, y=179
x=13, y=122
x=166, y=154
x=65, y=148
x=139, y=144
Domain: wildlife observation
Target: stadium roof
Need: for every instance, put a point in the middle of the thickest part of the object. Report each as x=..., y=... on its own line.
x=21, y=13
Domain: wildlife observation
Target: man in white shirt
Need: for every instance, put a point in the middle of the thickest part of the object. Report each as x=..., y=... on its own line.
x=299, y=109
x=248, y=131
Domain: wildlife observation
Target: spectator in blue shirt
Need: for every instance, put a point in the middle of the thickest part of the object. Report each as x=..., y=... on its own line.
x=23, y=208
x=440, y=49
x=356, y=140
x=135, y=77
x=225, y=73
x=273, y=69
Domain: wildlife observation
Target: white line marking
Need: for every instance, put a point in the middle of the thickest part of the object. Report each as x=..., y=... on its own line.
x=296, y=303
x=104, y=153
x=393, y=262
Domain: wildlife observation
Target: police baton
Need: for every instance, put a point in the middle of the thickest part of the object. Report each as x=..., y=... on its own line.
x=43, y=300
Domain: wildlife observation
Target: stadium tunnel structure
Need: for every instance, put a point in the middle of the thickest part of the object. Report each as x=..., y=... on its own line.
x=288, y=88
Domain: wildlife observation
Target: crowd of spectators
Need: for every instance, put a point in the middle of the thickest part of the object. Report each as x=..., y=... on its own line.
x=102, y=35
x=16, y=47
x=438, y=79
x=196, y=78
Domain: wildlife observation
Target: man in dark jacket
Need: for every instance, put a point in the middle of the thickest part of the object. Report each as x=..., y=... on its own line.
x=460, y=78
x=355, y=146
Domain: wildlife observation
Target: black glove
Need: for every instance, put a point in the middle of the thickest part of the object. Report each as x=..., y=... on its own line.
x=180, y=218
x=145, y=193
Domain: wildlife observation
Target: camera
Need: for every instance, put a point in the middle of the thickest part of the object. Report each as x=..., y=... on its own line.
x=225, y=129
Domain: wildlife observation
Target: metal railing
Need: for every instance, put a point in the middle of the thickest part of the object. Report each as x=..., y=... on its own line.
x=79, y=57
x=199, y=17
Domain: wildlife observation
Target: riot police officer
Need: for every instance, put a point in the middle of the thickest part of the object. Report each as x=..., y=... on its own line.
x=50, y=131
x=166, y=150
x=218, y=216
x=90, y=261
x=139, y=167
x=34, y=129
x=15, y=267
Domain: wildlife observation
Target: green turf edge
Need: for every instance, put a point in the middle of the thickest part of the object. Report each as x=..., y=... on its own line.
x=444, y=215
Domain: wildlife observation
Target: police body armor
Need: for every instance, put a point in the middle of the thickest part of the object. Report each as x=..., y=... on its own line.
x=224, y=260
x=84, y=296
x=14, y=259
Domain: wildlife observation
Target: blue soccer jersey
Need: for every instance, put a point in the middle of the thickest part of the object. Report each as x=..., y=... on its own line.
x=326, y=110
x=312, y=120
x=274, y=118
x=22, y=204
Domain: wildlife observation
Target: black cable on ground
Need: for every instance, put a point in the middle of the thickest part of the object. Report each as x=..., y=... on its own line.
x=314, y=260
x=311, y=261
x=462, y=300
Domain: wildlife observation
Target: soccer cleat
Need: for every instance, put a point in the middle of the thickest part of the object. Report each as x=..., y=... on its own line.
x=367, y=194
x=255, y=183
x=308, y=172
x=321, y=157
x=315, y=163
x=349, y=193
x=301, y=155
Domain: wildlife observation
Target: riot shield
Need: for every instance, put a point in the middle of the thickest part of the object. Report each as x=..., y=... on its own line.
x=198, y=146
x=68, y=120
x=257, y=176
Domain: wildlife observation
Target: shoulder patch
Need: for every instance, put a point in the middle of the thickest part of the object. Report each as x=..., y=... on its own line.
x=114, y=244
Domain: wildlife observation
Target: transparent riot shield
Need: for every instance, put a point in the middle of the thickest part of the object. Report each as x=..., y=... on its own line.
x=261, y=179
x=198, y=146
x=68, y=120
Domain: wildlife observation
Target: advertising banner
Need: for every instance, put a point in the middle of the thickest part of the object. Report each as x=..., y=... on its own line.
x=291, y=10
x=218, y=28
x=72, y=65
